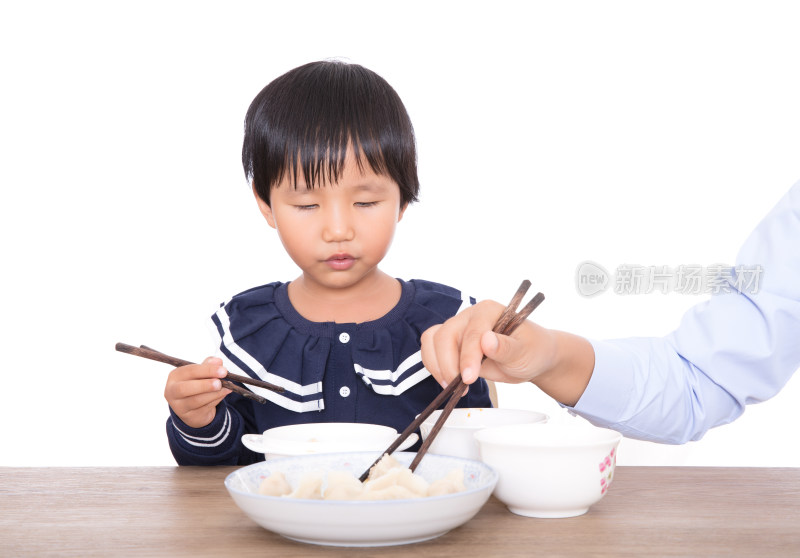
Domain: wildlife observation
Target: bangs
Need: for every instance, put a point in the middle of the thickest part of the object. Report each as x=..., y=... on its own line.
x=303, y=123
x=319, y=155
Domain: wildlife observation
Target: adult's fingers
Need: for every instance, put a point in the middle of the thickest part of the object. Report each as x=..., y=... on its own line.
x=481, y=319
x=428, y=353
x=515, y=358
x=440, y=350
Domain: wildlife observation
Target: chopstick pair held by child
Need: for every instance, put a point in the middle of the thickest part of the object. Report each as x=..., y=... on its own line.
x=330, y=152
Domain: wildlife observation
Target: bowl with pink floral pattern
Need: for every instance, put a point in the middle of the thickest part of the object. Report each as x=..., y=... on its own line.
x=550, y=469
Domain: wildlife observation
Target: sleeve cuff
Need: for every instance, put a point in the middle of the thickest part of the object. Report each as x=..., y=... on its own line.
x=216, y=434
x=607, y=395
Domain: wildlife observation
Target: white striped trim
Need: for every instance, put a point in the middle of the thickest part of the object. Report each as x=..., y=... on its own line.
x=256, y=367
x=208, y=442
x=367, y=375
x=392, y=376
x=411, y=381
x=277, y=398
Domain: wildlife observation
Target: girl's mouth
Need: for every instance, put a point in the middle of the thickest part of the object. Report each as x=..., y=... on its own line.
x=340, y=262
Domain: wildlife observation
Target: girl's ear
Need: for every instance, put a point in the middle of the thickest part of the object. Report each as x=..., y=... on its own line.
x=402, y=211
x=265, y=209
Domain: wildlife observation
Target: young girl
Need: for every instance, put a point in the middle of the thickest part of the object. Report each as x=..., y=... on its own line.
x=330, y=152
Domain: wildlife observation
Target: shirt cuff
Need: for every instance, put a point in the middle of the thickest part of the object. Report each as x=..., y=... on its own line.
x=213, y=435
x=607, y=395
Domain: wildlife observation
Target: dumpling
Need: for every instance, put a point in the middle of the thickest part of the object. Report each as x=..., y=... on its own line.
x=342, y=486
x=393, y=492
x=388, y=480
x=449, y=484
x=310, y=487
x=400, y=476
x=386, y=464
x=275, y=485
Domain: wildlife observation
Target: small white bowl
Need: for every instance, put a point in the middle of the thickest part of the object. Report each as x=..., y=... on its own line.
x=360, y=522
x=456, y=436
x=550, y=470
x=323, y=437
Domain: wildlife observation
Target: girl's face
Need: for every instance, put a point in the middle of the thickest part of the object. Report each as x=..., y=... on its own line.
x=336, y=233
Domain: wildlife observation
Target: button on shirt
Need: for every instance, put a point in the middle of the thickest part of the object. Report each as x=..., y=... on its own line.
x=342, y=398
x=737, y=348
x=344, y=337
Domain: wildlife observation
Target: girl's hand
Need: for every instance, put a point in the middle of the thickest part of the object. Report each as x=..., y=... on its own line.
x=195, y=390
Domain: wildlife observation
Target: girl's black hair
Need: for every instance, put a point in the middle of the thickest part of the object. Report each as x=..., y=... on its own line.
x=304, y=121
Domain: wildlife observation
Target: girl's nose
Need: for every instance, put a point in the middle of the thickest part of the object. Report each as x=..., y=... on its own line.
x=337, y=227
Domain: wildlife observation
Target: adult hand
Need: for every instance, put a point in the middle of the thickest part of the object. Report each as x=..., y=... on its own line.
x=559, y=363
x=460, y=343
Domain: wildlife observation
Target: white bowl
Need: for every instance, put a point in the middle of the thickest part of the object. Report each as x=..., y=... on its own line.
x=456, y=436
x=550, y=470
x=364, y=522
x=323, y=437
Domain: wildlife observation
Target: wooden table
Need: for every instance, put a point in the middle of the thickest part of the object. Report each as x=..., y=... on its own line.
x=186, y=511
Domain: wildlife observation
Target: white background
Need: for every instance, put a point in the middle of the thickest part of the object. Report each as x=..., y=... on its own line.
x=549, y=133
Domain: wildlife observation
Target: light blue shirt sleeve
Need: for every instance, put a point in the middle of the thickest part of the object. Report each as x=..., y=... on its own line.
x=737, y=348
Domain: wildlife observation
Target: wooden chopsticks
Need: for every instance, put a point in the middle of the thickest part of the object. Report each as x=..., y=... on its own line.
x=508, y=321
x=227, y=382
x=447, y=392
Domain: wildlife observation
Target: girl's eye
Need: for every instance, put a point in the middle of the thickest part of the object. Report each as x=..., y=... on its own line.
x=366, y=204
x=306, y=207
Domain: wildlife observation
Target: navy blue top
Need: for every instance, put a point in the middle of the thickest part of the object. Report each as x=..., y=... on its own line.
x=368, y=372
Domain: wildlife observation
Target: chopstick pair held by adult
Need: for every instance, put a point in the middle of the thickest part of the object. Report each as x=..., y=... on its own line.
x=461, y=345
x=508, y=321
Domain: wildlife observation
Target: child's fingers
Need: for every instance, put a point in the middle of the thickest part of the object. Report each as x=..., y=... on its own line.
x=184, y=389
x=187, y=405
x=192, y=379
x=199, y=416
x=193, y=391
x=210, y=368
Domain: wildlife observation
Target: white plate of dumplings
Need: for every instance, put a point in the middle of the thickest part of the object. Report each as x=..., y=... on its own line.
x=288, y=496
